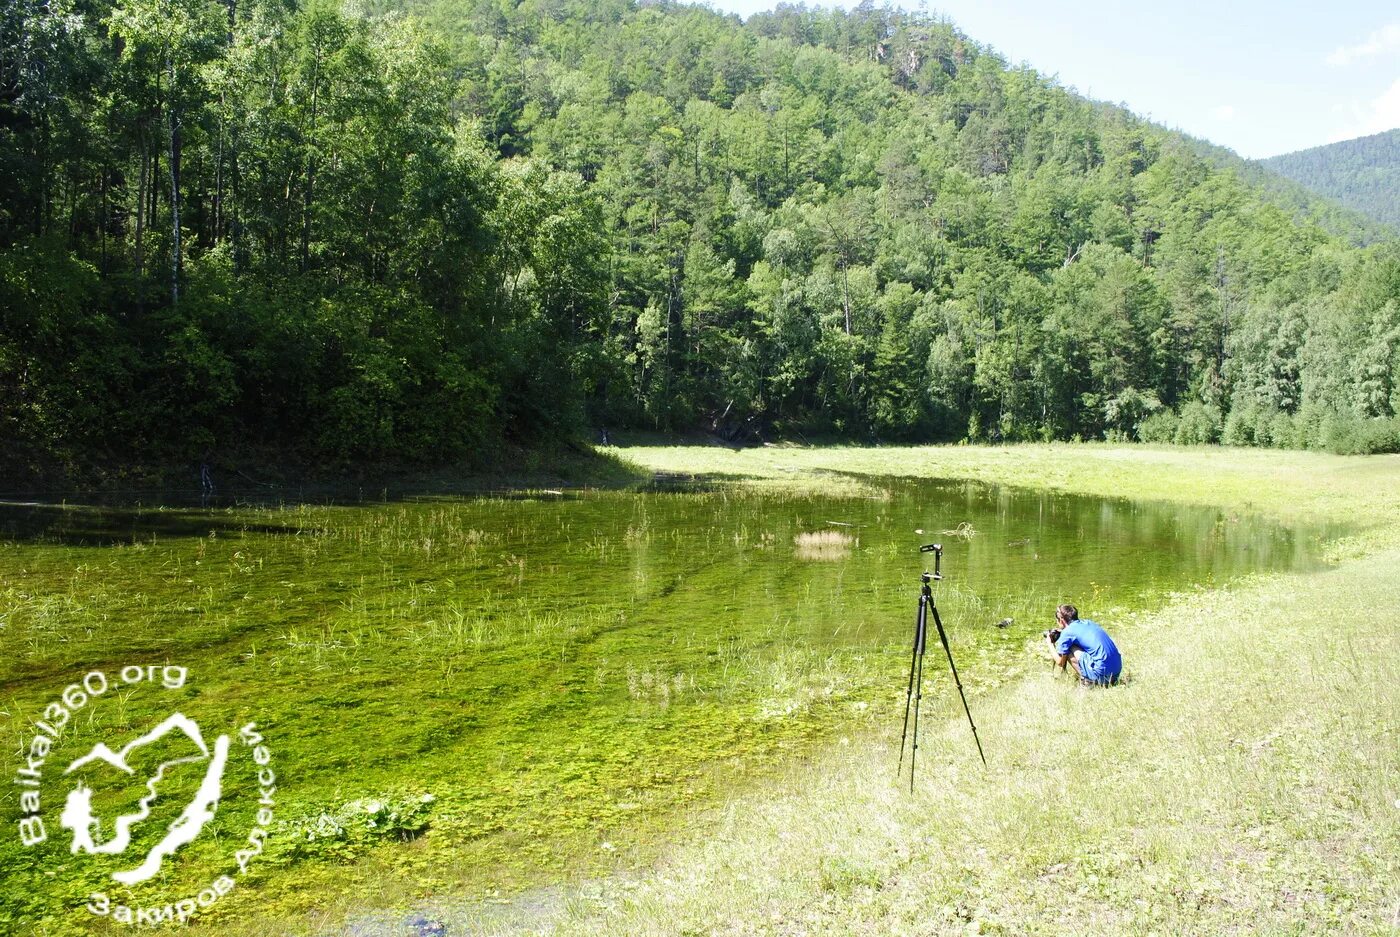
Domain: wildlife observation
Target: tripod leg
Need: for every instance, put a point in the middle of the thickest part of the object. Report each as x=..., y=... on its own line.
x=943, y=637
x=920, y=630
x=918, y=695
x=909, y=693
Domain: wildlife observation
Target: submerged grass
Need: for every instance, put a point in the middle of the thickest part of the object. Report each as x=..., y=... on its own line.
x=823, y=544
x=1245, y=780
x=570, y=688
x=550, y=671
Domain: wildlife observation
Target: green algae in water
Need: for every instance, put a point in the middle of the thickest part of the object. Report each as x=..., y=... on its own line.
x=485, y=692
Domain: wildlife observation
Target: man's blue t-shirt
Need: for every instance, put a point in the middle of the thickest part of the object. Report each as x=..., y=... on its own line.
x=1100, y=660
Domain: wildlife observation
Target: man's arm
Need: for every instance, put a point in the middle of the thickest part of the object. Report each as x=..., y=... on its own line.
x=1064, y=649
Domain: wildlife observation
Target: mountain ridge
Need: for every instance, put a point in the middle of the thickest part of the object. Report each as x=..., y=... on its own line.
x=175, y=721
x=383, y=236
x=1362, y=174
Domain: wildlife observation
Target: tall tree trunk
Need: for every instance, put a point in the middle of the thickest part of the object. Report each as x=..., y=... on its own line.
x=103, y=216
x=153, y=185
x=74, y=186
x=143, y=181
x=310, y=165
x=172, y=118
x=216, y=210
x=41, y=204
x=846, y=292
x=219, y=213
x=235, y=225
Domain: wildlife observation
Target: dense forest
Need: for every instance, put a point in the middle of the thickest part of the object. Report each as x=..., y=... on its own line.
x=1363, y=174
x=342, y=233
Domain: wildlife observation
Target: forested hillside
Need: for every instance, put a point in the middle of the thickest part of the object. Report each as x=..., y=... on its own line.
x=1308, y=207
x=1363, y=174
x=249, y=227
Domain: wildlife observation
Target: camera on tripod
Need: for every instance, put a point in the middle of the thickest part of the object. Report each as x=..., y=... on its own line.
x=1053, y=635
x=915, y=693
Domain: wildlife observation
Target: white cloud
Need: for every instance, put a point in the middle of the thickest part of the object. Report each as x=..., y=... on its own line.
x=1385, y=110
x=1382, y=40
x=1378, y=116
x=1223, y=112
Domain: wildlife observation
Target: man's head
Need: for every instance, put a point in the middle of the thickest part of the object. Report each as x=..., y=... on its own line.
x=1066, y=613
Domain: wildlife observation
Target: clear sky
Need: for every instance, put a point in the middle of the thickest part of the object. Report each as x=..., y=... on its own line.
x=1260, y=77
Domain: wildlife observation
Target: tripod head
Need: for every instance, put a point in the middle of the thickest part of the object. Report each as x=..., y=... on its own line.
x=937, y=550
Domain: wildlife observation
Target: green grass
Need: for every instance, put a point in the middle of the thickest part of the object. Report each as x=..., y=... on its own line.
x=1287, y=484
x=391, y=608
x=1248, y=788
x=507, y=656
x=1245, y=781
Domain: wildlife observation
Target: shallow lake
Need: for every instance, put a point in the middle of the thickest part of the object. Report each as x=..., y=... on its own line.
x=535, y=681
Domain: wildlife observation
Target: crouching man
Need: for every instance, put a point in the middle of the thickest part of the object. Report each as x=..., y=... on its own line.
x=1082, y=643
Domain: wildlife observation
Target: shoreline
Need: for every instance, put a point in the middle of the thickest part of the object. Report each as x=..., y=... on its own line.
x=880, y=866
x=513, y=468
x=829, y=761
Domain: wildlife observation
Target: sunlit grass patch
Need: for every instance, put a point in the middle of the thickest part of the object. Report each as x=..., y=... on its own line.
x=1252, y=788
x=537, y=662
x=1284, y=483
x=823, y=544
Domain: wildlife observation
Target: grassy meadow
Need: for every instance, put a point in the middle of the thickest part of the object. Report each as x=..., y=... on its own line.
x=1285, y=484
x=629, y=714
x=1246, y=780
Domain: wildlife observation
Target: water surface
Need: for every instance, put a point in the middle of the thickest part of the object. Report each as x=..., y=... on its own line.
x=540, y=680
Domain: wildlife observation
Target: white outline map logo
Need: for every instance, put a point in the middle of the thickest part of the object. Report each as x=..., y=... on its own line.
x=77, y=810
x=178, y=735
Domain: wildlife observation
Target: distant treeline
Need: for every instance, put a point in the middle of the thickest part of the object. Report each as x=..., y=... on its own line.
x=1362, y=174
x=262, y=226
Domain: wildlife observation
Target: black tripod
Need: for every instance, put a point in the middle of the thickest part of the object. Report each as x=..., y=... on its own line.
x=916, y=664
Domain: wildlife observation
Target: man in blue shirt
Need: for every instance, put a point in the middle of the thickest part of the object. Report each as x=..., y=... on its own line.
x=1084, y=644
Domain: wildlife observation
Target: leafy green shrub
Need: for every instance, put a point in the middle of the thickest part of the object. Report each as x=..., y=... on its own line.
x=1350, y=435
x=62, y=360
x=1281, y=434
x=1338, y=433
x=1159, y=427
x=1262, y=420
x=1307, y=427
x=1383, y=435
x=343, y=831
x=1239, y=428
x=1250, y=424
x=1199, y=424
